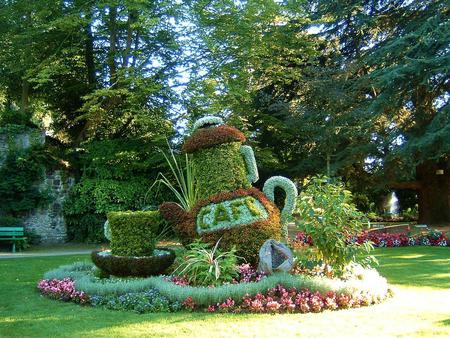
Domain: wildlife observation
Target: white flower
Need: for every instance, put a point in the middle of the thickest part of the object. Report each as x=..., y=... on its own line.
x=207, y=120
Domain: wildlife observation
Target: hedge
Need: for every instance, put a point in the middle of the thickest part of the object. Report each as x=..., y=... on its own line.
x=133, y=233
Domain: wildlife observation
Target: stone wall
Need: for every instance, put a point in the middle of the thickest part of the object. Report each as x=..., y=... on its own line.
x=47, y=222
x=20, y=141
x=3, y=149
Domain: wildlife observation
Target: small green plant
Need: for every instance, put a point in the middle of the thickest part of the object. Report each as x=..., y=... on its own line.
x=411, y=213
x=184, y=184
x=327, y=213
x=204, y=266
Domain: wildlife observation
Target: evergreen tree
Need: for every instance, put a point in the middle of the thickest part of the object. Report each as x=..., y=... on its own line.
x=392, y=78
x=365, y=97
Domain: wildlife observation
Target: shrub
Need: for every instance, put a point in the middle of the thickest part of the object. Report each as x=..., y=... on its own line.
x=92, y=198
x=210, y=137
x=86, y=227
x=185, y=188
x=252, y=168
x=203, y=266
x=20, y=175
x=277, y=299
x=248, y=274
x=62, y=290
x=115, y=176
x=379, y=239
x=289, y=202
x=328, y=215
x=10, y=221
x=134, y=233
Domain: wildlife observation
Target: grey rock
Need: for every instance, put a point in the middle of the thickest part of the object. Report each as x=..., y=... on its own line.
x=275, y=256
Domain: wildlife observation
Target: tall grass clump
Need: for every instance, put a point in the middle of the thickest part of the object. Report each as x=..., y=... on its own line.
x=204, y=266
x=182, y=183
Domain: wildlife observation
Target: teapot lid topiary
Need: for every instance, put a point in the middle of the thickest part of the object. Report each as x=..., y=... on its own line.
x=210, y=131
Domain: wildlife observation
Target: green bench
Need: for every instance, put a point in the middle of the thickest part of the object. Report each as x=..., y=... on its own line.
x=12, y=234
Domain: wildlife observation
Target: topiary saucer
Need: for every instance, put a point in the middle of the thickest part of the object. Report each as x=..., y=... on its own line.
x=124, y=266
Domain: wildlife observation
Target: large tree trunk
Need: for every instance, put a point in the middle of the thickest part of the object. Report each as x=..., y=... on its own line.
x=434, y=194
x=89, y=51
x=433, y=190
x=25, y=97
x=112, y=45
x=132, y=18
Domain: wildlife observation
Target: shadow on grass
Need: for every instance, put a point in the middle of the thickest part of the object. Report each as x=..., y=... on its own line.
x=71, y=320
x=24, y=313
x=415, y=266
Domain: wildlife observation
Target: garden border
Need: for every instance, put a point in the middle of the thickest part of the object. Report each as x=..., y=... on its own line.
x=376, y=288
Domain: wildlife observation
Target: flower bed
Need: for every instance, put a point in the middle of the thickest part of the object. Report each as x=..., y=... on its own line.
x=62, y=290
x=287, y=300
x=431, y=238
x=275, y=300
x=277, y=293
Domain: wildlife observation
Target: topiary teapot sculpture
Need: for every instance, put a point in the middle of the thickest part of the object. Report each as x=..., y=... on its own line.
x=229, y=208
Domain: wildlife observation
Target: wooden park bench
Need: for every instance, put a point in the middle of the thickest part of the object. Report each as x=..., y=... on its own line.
x=12, y=234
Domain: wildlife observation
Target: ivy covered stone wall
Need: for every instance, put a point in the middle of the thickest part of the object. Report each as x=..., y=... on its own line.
x=21, y=140
x=48, y=222
x=45, y=224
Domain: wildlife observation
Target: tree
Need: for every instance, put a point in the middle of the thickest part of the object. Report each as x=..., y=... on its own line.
x=99, y=73
x=250, y=50
x=394, y=55
x=100, y=70
x=366, y=94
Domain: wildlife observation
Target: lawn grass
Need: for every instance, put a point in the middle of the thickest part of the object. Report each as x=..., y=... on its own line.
x=419, y=275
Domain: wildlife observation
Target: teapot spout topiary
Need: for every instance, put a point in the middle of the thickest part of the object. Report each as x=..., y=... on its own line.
x=229, y=207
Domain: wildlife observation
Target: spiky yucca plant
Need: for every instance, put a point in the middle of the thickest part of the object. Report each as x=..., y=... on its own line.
x=203, y=266
x=182, y=184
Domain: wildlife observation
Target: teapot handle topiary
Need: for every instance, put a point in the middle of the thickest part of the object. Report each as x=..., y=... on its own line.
x=250, y=163
x=289, y=203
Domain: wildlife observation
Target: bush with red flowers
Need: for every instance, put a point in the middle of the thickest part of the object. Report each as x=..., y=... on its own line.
x=62, y=290
x=282, y=300
x=380, y=239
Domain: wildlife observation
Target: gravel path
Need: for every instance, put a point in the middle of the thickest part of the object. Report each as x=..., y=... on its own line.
x=4, y=255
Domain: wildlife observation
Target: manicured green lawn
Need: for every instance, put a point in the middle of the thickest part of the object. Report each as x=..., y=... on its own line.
x=421, y=307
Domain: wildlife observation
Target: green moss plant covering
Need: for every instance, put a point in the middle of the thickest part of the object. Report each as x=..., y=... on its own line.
x=219, y=169
x=134, y=266
x=252, y=168
x=205, y=266
x=134, y=233
x=289, y=202
x=228, y=206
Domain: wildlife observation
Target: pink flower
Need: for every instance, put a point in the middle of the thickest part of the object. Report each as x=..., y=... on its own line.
x=189, y=303
x=272, y=306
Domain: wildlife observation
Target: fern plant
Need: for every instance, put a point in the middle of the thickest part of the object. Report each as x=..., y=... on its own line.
x=203, y=266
